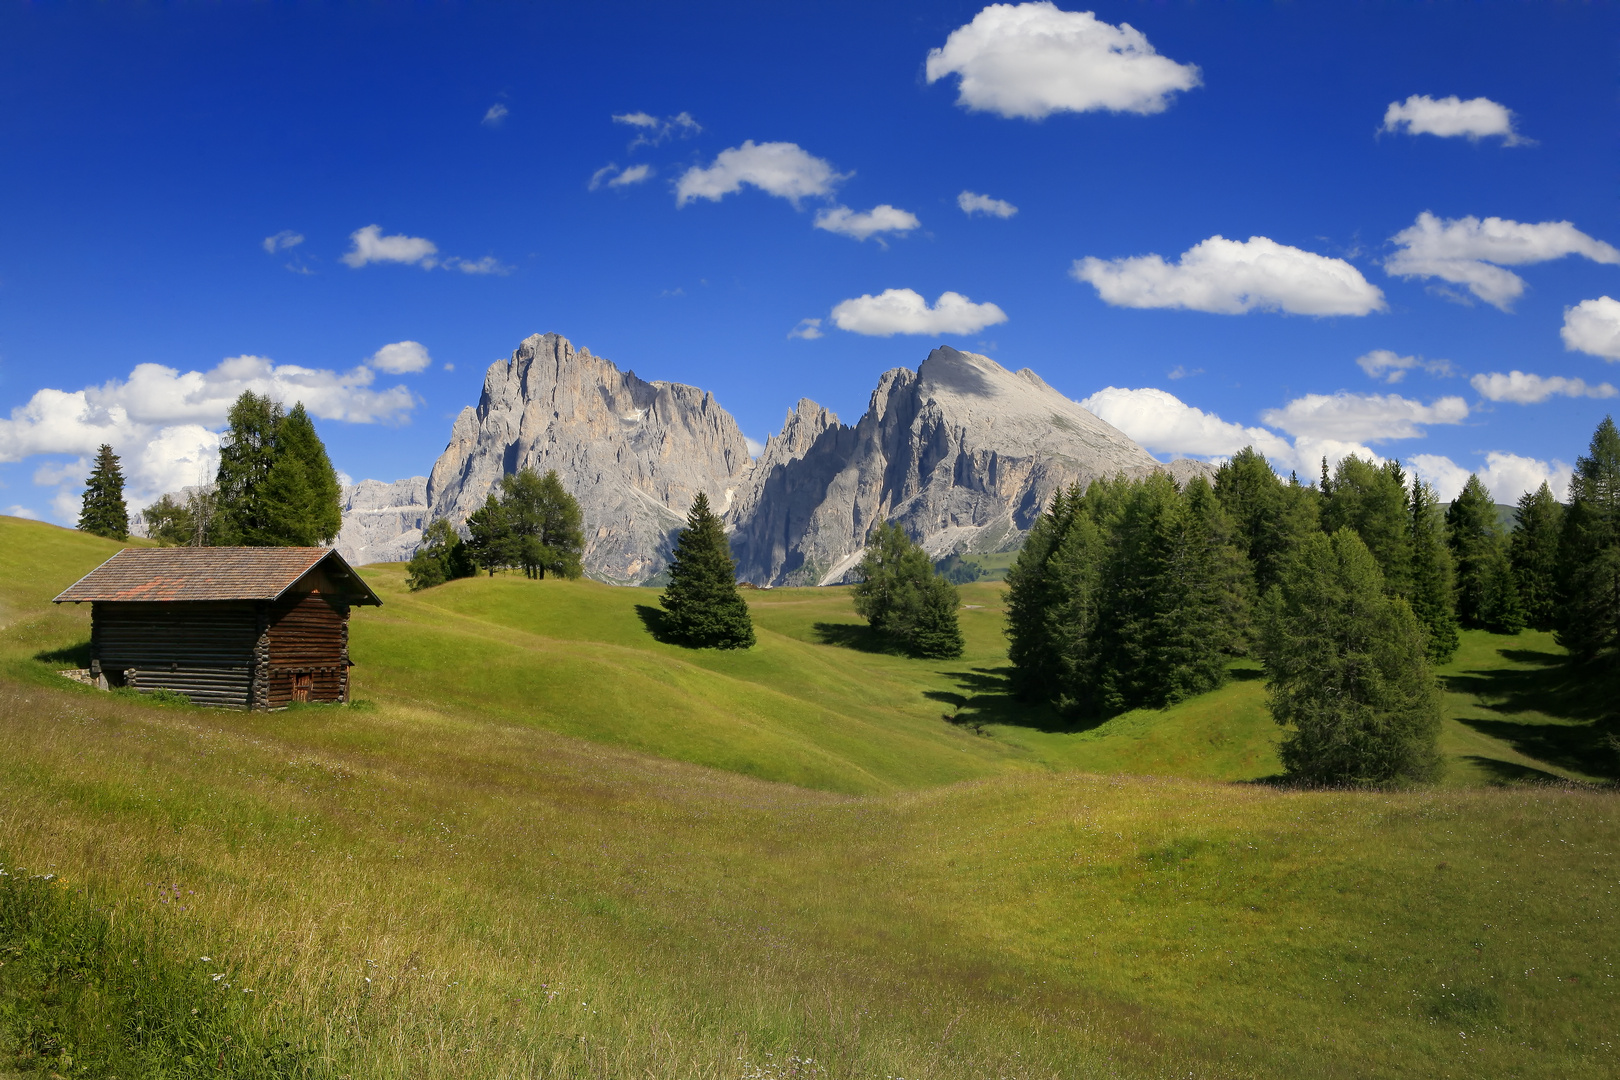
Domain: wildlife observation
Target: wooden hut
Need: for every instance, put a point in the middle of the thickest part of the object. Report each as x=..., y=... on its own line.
x=242, y=628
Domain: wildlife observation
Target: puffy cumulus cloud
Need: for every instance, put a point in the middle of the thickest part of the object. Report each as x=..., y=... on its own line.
x=401, y=357
x=1391, y=367
x=1508, y=476
x=904, y=311
x=495, y=114
x=1363, y=417
x=1477, y=118
x=21, y=511
x=283, y=240
x=1593, y=326
x=1470, y=252
x=1229, y=277
x=971, y=202
x=614, y=177
x=1032, y=60
x=652, y=130
x=371, y=246
x=782, y=169
x=1523, y=388
x=162, y=420
x=806, y=330
x=880, y=219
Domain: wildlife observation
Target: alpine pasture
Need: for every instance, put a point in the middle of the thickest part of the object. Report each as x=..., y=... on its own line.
x=543, y=843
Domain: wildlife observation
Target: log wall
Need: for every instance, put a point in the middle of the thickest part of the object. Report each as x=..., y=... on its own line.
x=202, y=650
x=308, y=650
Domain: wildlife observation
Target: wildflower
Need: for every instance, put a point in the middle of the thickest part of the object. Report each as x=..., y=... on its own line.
x=218, y=975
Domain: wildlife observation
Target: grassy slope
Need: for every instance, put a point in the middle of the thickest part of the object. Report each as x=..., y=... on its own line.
x=529, y=903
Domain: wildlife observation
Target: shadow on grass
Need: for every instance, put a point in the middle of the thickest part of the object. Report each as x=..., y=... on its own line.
x=1509, y=772
x=653, y=619
x=1583, y=748
x=857, y=636
x=986, y=697
x=73, y=656
x=1579, y=706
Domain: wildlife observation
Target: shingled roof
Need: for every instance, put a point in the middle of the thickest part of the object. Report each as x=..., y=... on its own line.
x=211, y=573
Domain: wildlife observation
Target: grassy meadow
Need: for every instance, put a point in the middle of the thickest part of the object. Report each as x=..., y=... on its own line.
x=545, y=844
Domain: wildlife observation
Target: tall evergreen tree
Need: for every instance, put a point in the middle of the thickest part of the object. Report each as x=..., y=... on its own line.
x=545, y=520
x=1033, y=592
x=1433, y=588
x=1533, y=550
x=1500, y=610
x=1270, y=518
x=301, y=496
x=104, y=512
x=1346, y=670
x=1589, y=551
x=492, y=544
x=702, y=605
x=1372, y=500
x=904, y=599
x=1476, y=546
x=246, y=453
x=441, y=557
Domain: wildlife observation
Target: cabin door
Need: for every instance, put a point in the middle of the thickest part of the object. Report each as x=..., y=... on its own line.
x=302, y=682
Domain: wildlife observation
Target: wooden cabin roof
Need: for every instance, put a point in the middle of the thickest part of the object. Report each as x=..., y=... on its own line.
x=167, y=575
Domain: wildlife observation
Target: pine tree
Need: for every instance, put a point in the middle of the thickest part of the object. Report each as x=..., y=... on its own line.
x=1500, y=611
x=902, y=597
x=1372, y=500
x=1031, y=594
x=246, y=453
x=492, y=545
x=545, y=520
x=1476, y=545
x=1271, y=519
x=702, y=605
x=1533, y=550
x=1345, y=668
x=1433, y=589
x=442, y=556
x=1589, y=551
x=301, y=496
x=104, y=512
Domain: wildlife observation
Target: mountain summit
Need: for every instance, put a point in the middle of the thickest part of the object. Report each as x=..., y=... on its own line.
x=962, y=452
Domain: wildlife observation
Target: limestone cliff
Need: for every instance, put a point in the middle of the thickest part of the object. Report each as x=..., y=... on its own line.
x=382, y=522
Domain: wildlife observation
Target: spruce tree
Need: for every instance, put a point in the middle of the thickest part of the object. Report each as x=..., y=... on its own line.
x=1346, y=670
x=1589, y=551
x=301, y=496
x=1433, y=589
x=246, y=453
x=545, y=520
x=1372, y=500
x=1476, y=546
x=442, y=556
x=1533, y=550
x=904, y=599
x=1270, y=518
x=492, y=545
x=1032, y=593
x=104, y=512
x=1500, y=611
x=702, y=605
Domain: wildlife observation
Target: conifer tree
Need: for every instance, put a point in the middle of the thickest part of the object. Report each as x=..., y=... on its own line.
x=1346, y=670
x=1589, y=551
x=904, y=599
x=246, y=453
x=545, y=522
x=1032, y=594
x=301, y=496
x=702, y=605
x=104, y=512
x=492, y=544
x=1500, y=610
x=1477, y=547
x=1433, y=589
x=1533, y=550
x=1270, y=518
x=442, y=556
x=1372, y=500
x=169, y=522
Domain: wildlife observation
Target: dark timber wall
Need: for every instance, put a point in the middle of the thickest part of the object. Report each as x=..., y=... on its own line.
x=308, y=650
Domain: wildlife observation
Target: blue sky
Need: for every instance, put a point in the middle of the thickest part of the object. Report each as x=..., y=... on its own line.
x=1197, y=218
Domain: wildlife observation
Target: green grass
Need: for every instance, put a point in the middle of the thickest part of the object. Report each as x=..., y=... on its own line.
x=543, y=873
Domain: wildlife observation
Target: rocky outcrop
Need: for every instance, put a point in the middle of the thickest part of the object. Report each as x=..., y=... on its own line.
x=962, y=452
x=634, y=453
x=382, y=522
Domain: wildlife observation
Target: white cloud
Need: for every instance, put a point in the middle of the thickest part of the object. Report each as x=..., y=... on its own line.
x=635, y=174
x=18, y=510
x=1508, y=476
x=1363, y=417
x=1391, y=367
x=371, y=246
x=903, y=311
x=1182, y=371
x=1477, y=118
x=1523, y=388
x=778, y=168
x=1031, y=60
x=972, y=203
x=1229, y=278
x=496, y=113
x=807, y=329
x=1470, y=252
x=161, y=420
x=651, y=130
x=489, y=264
x=880, y=219
x=1593, y=327
x=283, y=240
x=401, y=357
x=755, y=447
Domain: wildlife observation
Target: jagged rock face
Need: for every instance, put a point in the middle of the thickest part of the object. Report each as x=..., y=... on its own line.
x=963, y=453
x=382, y=522
x=634, y=453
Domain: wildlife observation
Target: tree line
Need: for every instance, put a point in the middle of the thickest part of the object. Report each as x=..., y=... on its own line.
x=1133, y=593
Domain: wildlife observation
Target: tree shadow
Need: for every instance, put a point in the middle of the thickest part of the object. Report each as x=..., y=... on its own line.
x=1510, y=772
x=1246, y=674
x=986, y=697
x=857, y=636
x=1584, y=748
x=73, y=656
x=653, y=619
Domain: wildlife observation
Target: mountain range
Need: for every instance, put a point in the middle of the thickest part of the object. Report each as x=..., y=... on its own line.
x=962, y=452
